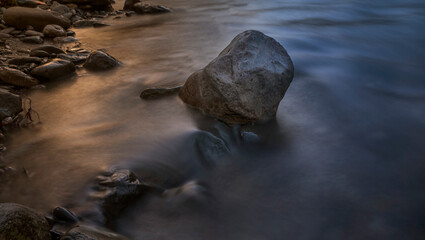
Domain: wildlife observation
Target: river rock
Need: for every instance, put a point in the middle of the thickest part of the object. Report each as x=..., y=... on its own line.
x=193, y=194
x=245, y=83
x=62, y=9
x=85, y=232
x=39, y=53
x=96, y=4
x=211, y=149
x=5, y=35
x=99, y=60
x=16, y=77
x=21, y=17
x=29, y=3
x=10, y=104
x=49, y=49
x=53, y=31
x=18, y=61
x=146, y=8
x=55, y=69
x=33, y=33
x=20, y=222
x=74, y=58
x=67, y=39
x=152, y=93
x=33, y=39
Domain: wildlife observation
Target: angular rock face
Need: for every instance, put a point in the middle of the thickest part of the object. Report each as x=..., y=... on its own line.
x=55, y=69
x=16, y=77
x=10, y=104
x=20, y=222
x=99, y=60
x=21, y=17
x=245, y=83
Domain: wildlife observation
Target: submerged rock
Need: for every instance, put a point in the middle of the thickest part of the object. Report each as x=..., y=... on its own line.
x=245, y=83
x=10, y=104
x=16, y=77
x=193, y=195
x=21, y=17
x=20, y=222
x=55, y=69
x=146, y=8
x=91, y=233
x=152, y=93
x=53, y=30
x=99, y=60
x=210, y=148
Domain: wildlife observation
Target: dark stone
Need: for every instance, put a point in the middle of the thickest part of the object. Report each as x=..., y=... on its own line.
x=85, y=232
x=49, y=49
x=55, y=69
x=33, y=39
x=74, y=58
x=16, y=77
x=146, y=8
x=39, y=53
x=21, y=17
x=99, y=60
x=152, y=93
x=62, y=214
x=20, y=222
x=10, y=104
x=18, y=61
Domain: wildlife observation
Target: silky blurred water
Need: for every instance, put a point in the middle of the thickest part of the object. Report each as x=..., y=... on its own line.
x=344, y=159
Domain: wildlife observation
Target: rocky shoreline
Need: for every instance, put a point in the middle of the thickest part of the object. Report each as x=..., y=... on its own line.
x=244, y=84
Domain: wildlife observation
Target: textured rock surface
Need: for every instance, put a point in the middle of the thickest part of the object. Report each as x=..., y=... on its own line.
x=53, y=30
x=21, y=17
x=99, y=60
x=16, y=77
x=55, y=69
x=10, y=104
x=245, y=83
x=22, y=223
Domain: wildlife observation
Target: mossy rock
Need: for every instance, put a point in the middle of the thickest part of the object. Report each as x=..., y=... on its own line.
x=22, y=223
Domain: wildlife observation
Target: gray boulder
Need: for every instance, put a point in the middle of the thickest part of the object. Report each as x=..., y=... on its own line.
x=10, y=104
x=16, y=77
x=20, y=222
x=55, y=69
x=21, y=18
x=245, y=83
x=99, y=60
x=53, y=30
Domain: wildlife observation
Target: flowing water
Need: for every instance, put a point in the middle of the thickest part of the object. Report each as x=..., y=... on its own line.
x=344, y=159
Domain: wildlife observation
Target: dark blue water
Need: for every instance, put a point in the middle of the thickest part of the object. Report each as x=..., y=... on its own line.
x=345, y=158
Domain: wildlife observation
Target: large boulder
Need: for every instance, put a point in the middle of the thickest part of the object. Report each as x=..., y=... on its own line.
x=10, y=104
x=23, y=223
x=21, y=17
x=16, y=77
x=245, y=83
x=55, y=69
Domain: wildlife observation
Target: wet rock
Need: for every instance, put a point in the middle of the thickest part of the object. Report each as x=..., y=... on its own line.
x=192, y=195
x=91, y=4
x=74, y=58
x=10, y=104
x=55, y=69
x=33, y=33
x=33, y=39
x=152, y=93
x=30, y=3
x=87, y=23
x=62, y=9
x=49, y=49
x=18, y=61
x=20, y=222
x=62, y=214
x=245, y=83
x=5, y=35
x=210, y=148
x=99, y=60
x=65, y=39
x=53, y=31
x=21, y=17
x=250, y=137
x=39, y=53
x=8, y=30
x=16, y=77
x=146, y=8
x=91, y=233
